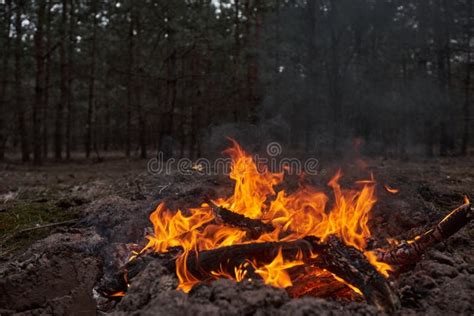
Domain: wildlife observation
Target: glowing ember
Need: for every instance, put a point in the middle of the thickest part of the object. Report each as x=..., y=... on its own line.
x=294, y=215
x=391, y=190
x=118, y=294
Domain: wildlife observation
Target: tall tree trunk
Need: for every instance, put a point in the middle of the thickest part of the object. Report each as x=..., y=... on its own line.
x=195, y=105
x=142, y=140
x=312, y=16
x=253, y=29
x=335, y=77
x=131, y=45
x=448, y=20
x=277, y=65
x=47, y=79
x=107, y=116
x=4, y=71
x=70, y=93
x=440, y=46
x=186, y=92
x=467, y=80
x=209, y=92
x=21, y=111
x=92, y=65
x=173, y=90
x=39, y=88
x=236, y=78
x=58, y=133
x=166, y=142
x=141, y=117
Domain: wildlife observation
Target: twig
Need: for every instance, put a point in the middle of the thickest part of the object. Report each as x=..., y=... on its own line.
x=72, y=221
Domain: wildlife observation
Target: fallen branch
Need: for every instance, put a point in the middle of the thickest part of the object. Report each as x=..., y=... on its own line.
x=409, y=252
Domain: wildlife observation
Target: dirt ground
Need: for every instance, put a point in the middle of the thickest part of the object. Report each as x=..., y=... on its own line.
x=101, y=206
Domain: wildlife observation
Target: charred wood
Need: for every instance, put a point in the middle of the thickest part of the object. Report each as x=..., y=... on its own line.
x=202, y=264
x=253, y=227
x=118, y=280
x=409, y=252
x=353, y=267
x=315, y=282
x=333, y=255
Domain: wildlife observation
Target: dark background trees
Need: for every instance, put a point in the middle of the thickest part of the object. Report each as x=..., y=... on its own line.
x=83, y=78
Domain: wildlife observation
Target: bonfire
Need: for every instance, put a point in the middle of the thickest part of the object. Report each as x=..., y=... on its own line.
x=306, y=241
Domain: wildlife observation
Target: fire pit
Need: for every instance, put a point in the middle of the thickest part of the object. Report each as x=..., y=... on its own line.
x=305, y=242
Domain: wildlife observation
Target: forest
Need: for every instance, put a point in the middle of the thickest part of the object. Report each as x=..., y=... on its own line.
x=236, y=157
x=85, y=78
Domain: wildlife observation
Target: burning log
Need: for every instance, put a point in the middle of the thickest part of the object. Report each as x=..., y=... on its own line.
x=202, y=264
x=345, y=263
x=317, y=283
x=333, y=255
x=346, y=266
x=119, y=280
x=352, y=266
x=409, y=252
x=253, y=227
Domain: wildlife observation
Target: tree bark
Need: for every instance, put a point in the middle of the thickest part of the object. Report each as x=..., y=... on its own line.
x=39, y=88
x=142, y=139
x=47, y=79
x=236, y=79
x=168, y=118
x=91, y=97
x=254, y=12
x=335, y=76
x=70, y=93
x=63, y=89
x=129, y=106
x=196, y=96
x=446, y=141
x=4, y=81
x=19, y=102
x=107, y=119
x=467, y=82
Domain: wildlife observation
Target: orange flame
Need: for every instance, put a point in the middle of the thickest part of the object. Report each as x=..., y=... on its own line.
x=240, y=273
x=118, y=294
x=304, y=212
x=391, y=190
x=275, y=273
x=252, y=186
